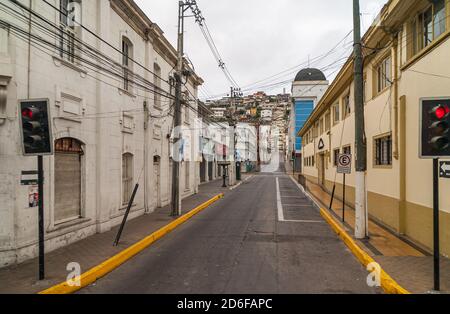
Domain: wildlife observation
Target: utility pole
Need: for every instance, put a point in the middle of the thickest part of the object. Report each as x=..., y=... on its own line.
x=361, y=216
x=176, y=199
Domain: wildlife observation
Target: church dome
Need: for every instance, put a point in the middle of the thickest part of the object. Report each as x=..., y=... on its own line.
x=306, y=75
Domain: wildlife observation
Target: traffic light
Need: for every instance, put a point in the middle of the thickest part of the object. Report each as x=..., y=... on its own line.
x=435, y=128
x=35, y=128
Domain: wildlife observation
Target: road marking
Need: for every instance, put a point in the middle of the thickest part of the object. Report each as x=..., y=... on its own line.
x=306, y=221
x=279, y=205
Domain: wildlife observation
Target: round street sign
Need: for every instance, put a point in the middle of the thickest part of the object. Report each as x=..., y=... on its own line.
x=344, y=163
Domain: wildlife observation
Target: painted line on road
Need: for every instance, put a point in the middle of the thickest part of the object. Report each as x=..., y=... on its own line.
x=280, y=208
x=279, y=204
x=114, y=262
x=306, y=221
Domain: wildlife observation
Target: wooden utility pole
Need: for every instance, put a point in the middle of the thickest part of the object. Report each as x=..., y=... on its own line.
x=360, y=141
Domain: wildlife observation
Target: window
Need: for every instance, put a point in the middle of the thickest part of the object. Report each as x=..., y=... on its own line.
x=127, y=177
x=313, y=161
x=439, y=18
x=347, y=150
x=69, y=20
x=321, y=126
x=346, y=107
x=127, y=55
x=428, y=26
x=157, y=83
x=384, y=77
x=316, y=130
x=383, y=151
x=336, y=114
x=336, y=153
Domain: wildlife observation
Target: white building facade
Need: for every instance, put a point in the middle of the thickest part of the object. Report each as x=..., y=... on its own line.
x=109, y=87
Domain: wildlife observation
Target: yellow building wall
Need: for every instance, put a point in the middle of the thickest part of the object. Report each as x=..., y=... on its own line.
x=384, y=184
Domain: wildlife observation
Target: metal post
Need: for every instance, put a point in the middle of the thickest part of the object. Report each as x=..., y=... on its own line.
x=436, y=246
x=343, y=203
x=41, y=218
x=332, y=197
x=176, y=206
x=125, y=217
x=224, y=176
x=361, y=149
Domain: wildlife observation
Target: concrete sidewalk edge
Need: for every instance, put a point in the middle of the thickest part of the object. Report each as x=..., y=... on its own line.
x=388, y=284
x=114, y=262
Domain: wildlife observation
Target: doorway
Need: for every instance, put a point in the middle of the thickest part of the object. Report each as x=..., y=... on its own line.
x=321, y=167
x=68, y=194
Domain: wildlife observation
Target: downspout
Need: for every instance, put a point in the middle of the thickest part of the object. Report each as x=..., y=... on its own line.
x=395, y=89
x=399, y=134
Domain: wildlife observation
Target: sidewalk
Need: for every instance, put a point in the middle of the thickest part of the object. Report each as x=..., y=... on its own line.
x=90, y=252
x=410, y=266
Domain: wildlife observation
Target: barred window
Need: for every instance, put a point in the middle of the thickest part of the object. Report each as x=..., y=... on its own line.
x=384, y=74
x=336, y=154
x=127, y=177
x=383, y=151
x=70, y=18
x=127, y=55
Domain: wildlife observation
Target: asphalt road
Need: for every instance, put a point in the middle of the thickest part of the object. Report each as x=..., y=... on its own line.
x=239, y=245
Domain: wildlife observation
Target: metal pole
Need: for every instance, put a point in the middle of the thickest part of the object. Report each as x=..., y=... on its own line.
x=176, y=206
x=436, y=246
x=332, y=197
x=125, y=217
x=41, y=218
x=361, y=149
x=343, y=203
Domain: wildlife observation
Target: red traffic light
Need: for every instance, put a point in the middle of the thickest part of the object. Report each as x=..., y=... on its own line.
x=441, y=111
x=27, y=113
x=30, y=113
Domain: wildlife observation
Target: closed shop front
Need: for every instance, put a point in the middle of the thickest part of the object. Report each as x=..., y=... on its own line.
x=68, y=157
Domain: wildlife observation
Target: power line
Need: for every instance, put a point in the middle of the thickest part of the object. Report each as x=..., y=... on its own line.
x=97, y=56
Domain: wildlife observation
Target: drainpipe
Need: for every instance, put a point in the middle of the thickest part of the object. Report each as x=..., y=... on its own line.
x=395, y=88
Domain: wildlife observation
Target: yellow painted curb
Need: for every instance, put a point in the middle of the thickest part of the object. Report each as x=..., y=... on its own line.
x=388, y=284
x=109, y=265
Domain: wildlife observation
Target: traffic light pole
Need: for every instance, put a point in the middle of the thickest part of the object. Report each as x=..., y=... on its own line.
x=41, y=218
x=436, y=245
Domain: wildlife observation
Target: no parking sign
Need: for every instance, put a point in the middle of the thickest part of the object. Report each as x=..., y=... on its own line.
x=344, y=164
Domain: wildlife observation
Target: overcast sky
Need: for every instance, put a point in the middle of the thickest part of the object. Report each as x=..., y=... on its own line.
x=260, y=38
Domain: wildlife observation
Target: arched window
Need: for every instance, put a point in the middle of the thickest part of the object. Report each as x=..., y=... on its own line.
x=127, y=56
x=127, y=177
x=68, y=183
